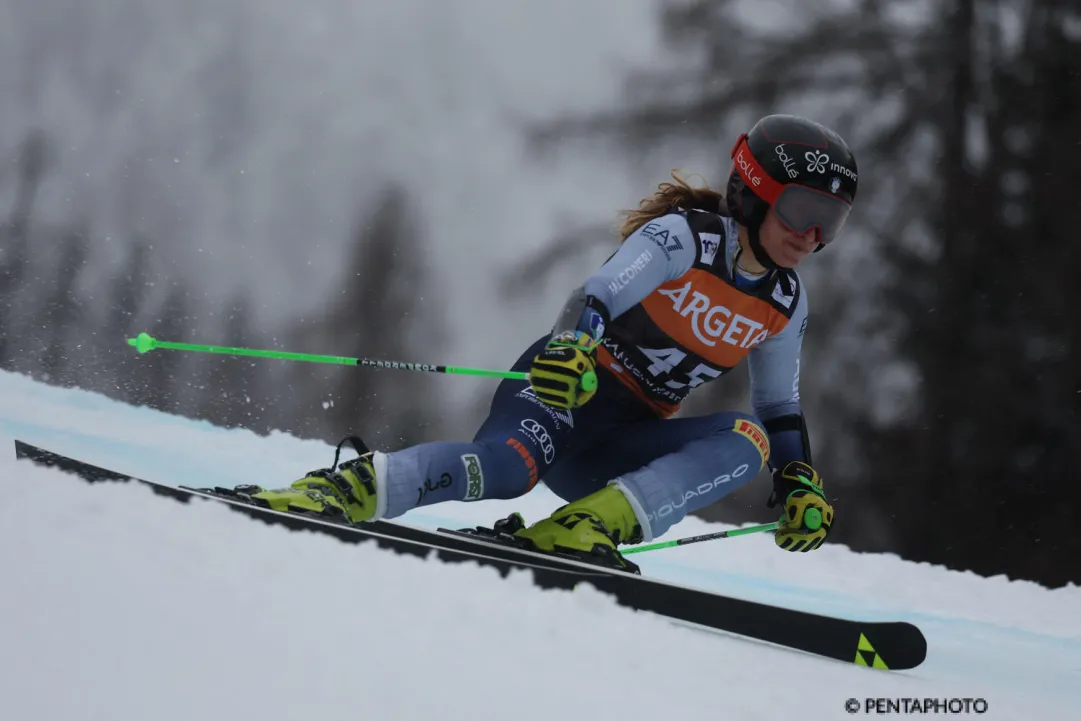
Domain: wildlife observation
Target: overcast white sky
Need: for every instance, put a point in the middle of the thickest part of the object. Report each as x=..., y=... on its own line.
x=245, y=136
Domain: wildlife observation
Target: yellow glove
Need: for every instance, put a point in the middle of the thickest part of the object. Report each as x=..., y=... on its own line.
x=564, y=374
x=808, y=514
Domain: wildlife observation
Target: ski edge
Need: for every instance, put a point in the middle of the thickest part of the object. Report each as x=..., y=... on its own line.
x=901, y=644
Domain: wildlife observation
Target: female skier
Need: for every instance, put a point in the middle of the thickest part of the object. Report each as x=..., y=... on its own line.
x=701, y=280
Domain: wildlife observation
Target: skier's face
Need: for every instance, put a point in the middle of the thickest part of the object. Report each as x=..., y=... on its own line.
x=785, y=246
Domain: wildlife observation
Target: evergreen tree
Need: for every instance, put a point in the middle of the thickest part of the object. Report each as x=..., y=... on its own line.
x=942, y=371
x=15, y=240
x=375, y=311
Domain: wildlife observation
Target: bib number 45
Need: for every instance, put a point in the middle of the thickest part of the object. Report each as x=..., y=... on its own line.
x=666, y=360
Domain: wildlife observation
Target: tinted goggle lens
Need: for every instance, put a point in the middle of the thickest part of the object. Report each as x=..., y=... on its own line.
x=801, y=208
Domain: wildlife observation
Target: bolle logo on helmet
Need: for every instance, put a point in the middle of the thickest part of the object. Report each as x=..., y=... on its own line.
x=749, y=168
x=787, y=160
x=816, y=161
x=835, y=185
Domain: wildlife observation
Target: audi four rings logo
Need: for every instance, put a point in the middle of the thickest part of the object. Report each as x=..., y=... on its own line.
x=816, y=161
x=540, y=434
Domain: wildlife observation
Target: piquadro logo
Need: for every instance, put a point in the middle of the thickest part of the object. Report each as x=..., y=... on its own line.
x=540, y=434
x=474, y=477
x=667, y=509
x=710, y=322
x=816, y=161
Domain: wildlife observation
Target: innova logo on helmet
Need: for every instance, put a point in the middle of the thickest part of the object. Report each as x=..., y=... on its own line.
x=838, y=168
x=816, y=161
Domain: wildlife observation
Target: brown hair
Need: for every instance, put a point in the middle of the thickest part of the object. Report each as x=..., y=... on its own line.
x=667, y=198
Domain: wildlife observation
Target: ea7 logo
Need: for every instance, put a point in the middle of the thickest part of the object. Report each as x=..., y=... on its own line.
x=816, y=161
x=667, y=242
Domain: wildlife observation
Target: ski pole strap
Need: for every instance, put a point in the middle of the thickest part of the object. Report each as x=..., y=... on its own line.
x=144, y=343
x=698, y=539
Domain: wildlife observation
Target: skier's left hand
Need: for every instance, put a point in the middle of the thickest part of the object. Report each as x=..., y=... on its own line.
x=808, y=514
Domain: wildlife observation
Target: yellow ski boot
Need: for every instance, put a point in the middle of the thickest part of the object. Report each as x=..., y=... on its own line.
x=589, y=529
x=344, y=492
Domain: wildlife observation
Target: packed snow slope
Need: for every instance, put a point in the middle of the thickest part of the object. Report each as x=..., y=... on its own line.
x=119, y=604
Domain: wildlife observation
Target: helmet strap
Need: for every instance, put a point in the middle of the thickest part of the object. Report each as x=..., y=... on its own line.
x=758, y=251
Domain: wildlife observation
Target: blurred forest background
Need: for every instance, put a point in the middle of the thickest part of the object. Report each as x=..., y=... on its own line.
x=942, y=370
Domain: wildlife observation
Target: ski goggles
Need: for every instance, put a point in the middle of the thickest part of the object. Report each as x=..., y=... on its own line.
x=798, y=207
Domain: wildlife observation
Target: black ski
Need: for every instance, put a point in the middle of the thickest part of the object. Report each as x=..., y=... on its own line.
x=885, y=645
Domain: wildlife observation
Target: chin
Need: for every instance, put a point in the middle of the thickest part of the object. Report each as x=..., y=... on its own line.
x=783, y=260
x=792, y=258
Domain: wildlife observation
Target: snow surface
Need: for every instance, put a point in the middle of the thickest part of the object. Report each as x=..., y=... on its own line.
x=119, y=604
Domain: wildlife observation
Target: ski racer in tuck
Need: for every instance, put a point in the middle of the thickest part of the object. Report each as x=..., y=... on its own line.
x=701, y=280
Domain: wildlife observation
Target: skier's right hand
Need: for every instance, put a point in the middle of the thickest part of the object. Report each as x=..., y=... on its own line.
x=564, y=374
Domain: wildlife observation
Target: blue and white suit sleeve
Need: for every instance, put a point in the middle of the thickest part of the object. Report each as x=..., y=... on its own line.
x=774, y=366
x=662, y=250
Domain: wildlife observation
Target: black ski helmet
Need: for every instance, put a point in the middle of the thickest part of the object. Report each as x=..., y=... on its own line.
x=801, y=169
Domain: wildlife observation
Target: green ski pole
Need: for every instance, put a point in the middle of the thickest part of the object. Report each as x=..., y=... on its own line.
x=706, y=537
x=144, y=343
